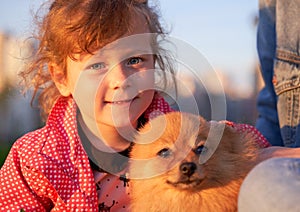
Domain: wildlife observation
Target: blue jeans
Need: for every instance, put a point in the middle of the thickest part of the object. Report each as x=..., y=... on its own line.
x=273, y=185
x=278, y=48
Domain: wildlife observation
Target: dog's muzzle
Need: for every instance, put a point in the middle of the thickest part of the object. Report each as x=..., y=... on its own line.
x=188, y=168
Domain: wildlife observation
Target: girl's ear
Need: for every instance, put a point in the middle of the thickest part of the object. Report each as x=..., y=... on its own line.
x=59, y=79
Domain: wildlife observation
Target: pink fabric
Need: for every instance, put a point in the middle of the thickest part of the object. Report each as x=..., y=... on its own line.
x=48, y=168
x=246, y=128
x=113, y=193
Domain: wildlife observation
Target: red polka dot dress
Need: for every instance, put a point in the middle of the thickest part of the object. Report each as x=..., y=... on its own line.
x=252, y=131
x=48, y=169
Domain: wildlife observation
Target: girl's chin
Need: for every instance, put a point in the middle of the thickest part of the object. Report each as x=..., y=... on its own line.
x=120, y=124
x=125, y=126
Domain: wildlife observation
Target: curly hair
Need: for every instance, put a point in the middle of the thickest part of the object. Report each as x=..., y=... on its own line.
x=78, y=27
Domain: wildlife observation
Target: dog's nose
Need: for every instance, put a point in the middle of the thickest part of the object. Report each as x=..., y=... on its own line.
x=188, y=168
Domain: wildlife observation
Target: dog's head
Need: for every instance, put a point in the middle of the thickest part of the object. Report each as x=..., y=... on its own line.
x=187, y=152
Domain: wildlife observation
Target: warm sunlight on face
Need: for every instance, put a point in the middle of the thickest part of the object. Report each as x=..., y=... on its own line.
x=115, y=86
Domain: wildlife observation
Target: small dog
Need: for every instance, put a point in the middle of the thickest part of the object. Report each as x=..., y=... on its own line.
x=181, y=162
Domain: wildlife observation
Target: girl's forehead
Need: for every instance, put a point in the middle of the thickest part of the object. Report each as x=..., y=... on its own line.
x=129, y=44
x=137, y=40
x=138, y=24
x=123, y=48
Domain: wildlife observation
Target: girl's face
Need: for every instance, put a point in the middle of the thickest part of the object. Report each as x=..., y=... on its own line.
x=114, y=86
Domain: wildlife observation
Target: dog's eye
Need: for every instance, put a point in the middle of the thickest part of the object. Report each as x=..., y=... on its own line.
x=164, y=153
x=200, y=149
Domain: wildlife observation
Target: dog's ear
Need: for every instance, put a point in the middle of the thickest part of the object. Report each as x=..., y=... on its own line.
x=211, y=133
x=222, y=133
x=203, y=120
x=237, y=143
x=204, y=127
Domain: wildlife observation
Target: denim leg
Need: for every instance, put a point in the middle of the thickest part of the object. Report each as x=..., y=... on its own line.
x=267, y=122
x=273, y=185
x=286, y=70
x=278, y=45
x=289, y=116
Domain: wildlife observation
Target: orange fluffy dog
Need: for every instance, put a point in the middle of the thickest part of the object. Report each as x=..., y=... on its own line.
x=181, y=162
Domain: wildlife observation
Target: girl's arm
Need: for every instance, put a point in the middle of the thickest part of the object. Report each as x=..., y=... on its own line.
x=15, y=194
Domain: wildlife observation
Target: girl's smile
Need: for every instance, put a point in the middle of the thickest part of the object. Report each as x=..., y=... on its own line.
x=120, y=102
x=114, y=86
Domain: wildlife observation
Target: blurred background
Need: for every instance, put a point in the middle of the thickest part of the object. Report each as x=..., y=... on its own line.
x=224, y=32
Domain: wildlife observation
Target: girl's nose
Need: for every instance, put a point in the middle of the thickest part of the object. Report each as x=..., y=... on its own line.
x=118, y=77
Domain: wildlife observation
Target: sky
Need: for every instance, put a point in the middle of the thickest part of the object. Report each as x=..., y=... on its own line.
x=222, y=31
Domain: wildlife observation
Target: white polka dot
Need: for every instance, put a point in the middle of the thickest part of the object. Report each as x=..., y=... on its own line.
x=51, y=162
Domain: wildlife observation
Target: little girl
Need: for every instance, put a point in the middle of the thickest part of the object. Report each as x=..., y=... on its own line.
x=94, y=74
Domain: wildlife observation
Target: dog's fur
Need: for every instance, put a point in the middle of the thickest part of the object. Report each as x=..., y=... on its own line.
x=158, y=182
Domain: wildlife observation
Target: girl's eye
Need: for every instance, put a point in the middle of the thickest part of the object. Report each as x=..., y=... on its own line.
x=97, y=66
x=200, y=149
x=134, y=61
x=165, y=152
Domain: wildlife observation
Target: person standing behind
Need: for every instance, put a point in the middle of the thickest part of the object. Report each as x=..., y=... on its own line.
x=279, y=53
x=274, y=184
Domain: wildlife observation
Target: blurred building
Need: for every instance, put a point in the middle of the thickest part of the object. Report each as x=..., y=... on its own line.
x=2, y=74
x=13, y=52
x=216, y=92
x=259, y=82
x=17, y=115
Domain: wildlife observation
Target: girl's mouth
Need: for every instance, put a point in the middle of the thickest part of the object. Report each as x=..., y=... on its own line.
x=120, y=102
